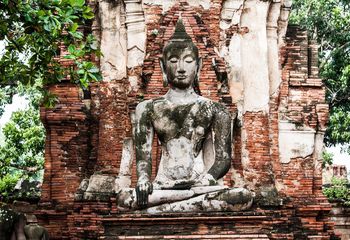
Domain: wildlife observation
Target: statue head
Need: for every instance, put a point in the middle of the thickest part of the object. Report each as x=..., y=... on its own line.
x=31, y=218
x=180, y=62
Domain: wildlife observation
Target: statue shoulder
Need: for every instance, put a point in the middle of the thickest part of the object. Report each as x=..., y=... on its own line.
x=222, y=112
x=148, y=104
x=144, y=106
x=219, y=108
x=216, y=107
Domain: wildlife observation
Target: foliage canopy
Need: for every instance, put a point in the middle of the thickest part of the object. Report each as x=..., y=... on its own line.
x=22, y=155
x=33, y=32
x=32, y=36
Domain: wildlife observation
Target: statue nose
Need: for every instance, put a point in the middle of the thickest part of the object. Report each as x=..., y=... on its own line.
x=181, y=68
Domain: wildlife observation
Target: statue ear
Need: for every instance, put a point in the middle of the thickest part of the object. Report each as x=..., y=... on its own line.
x=163, y=67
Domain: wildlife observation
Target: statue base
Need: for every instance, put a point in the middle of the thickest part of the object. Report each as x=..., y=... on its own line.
x=102, y=219
x=196, y=199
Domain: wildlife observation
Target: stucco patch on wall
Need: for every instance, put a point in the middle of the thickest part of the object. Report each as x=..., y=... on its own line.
x=295, y=142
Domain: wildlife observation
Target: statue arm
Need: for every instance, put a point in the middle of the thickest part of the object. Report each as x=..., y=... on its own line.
x=143, y=138
x=222, y=142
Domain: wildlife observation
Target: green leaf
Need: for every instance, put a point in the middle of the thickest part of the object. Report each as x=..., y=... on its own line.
x=71, y=49
x=77, y=35
x=81, y=71
x=74, y=27
x=77, y=3
x=93, y=69
x=87, y=13
x=93, y=77
x=70, y=57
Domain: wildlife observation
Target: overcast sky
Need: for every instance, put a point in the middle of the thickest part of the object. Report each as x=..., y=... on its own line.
x=17, y=104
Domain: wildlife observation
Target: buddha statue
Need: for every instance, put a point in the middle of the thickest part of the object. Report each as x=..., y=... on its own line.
x=33, y=231
x=185, y=123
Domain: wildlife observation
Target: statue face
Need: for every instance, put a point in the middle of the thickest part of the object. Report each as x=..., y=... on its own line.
x=181, y=67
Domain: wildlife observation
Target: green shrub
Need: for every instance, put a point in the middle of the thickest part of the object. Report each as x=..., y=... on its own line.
x=338, y=191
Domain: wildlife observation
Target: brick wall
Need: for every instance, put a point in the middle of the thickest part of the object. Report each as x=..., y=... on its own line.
x=85, y=136
x=302, y=102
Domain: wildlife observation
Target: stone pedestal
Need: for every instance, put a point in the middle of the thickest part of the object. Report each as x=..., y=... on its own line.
x=101, y=220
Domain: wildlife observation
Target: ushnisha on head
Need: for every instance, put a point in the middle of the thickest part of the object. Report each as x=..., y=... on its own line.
x=180, y=62
x=31, y=218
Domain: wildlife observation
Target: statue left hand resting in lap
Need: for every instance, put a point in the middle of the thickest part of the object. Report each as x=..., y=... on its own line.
x=182, y=120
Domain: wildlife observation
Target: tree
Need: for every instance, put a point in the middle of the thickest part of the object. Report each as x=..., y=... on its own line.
x=22, y=155
x=32, y=33
x=328, y=22
x=5, y=97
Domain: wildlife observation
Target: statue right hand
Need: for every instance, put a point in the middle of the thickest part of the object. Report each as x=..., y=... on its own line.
x=143, y=189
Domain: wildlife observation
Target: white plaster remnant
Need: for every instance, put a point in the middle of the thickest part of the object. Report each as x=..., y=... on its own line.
x=234, y=60
x=273, y=48
x=296, y=183
x=295, y=141
x=136, y=32
x=252, y=57
x=166, y=5
x=113, y=41
x=255, y=72
x=133, y=82
x=283, y=20
x=231, y=13
x=204, y=3
x=319, y=148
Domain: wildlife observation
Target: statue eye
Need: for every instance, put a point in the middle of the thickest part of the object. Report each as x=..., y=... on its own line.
x=173, y=60
x=189, y=59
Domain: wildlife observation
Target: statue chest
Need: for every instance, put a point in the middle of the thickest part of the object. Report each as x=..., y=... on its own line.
x=187, y=120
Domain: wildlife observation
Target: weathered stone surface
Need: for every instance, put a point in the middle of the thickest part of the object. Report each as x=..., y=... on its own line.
x=113, y=40
x=136, y=35
x=340, y=216
x=231, y=13
x=295, y=142
x=217, y=201
x=197, y=199
x=166, y=5
x=124, y=177
x=273, y=22
x=254, y=56
x=182, y=120
x=101, y=183
x=33, y=230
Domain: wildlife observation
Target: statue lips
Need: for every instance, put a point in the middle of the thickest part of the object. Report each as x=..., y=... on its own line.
x=181, y=77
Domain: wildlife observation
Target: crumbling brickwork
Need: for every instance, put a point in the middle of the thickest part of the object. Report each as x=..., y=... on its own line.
x=85, y=135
